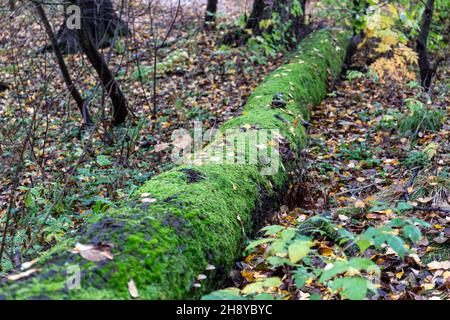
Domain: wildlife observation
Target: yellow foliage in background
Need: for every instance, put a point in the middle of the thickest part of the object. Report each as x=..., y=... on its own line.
x=398, y=56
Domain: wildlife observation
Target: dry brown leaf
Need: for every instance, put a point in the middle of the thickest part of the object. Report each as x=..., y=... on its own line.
x=436, y=265
x=359, y=204
x=93, y=253
x=161, y=147
x=424, y=200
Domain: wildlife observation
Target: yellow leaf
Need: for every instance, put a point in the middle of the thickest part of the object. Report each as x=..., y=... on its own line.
x=298, y=250
x=248, y=275
x=393, y=9
x=326, y=251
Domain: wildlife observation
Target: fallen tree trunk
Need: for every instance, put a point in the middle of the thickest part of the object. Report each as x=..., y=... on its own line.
x=180, y=234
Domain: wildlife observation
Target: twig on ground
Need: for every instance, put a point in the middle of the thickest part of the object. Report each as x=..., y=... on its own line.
x=355, y=190
x=430, y=209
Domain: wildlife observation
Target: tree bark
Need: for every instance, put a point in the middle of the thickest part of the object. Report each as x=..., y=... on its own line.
x=359, y=8
x=263, y=10
x=259, y=11
x=3, y=86
x=86, y=40
x=210, y=14
x=62, y=65
x=426, y=70
x=102, y=21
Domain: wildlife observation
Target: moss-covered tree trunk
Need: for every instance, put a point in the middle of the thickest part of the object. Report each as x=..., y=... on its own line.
x=179, y=235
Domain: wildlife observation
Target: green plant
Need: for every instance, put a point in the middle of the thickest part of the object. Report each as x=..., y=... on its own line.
x=419, y=119
x=354, y=74
x=388, y=119
x=175, y=59
x=350, y=277
x=120, y=48
x=389, y=234
x=352, y=286
x=357, y=151
x=416, y=159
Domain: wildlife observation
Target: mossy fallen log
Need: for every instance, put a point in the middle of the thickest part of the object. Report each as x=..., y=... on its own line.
x=181, y=232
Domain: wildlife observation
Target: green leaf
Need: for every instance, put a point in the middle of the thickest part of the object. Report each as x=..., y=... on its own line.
x=337, y=268
x=379, y=207
x=278, y=246
x=263, y=296
x=288, y=234
x=253, y=288
x=298, y=250
x=300, y=276
x=380, y=239
x=397, y=244
x=353, y=288
x=370, y=233
x=272, y=282
x=420, y=222
x=226, y=294
x=361, y=263
x=103, y=161
x=315, y=297
x=396, y=223
x=404, y=206
x=363, y=244
x=271, y=230
x=276, y=261
x=258, y=242
x=259, y=286
x=412, y=232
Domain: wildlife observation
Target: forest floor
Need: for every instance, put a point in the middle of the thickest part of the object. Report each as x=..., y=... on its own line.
x=360, y=170
x=80, y=173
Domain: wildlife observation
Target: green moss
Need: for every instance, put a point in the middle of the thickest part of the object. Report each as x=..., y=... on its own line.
x=198, y=215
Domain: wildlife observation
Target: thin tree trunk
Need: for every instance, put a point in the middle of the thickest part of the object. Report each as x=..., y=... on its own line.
x=263, y=9
x=120, y=105
x=211, y=11
x=3, y=86
x=426, y=70
x=359, y=8
x=256, y=15
x=62, y=65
